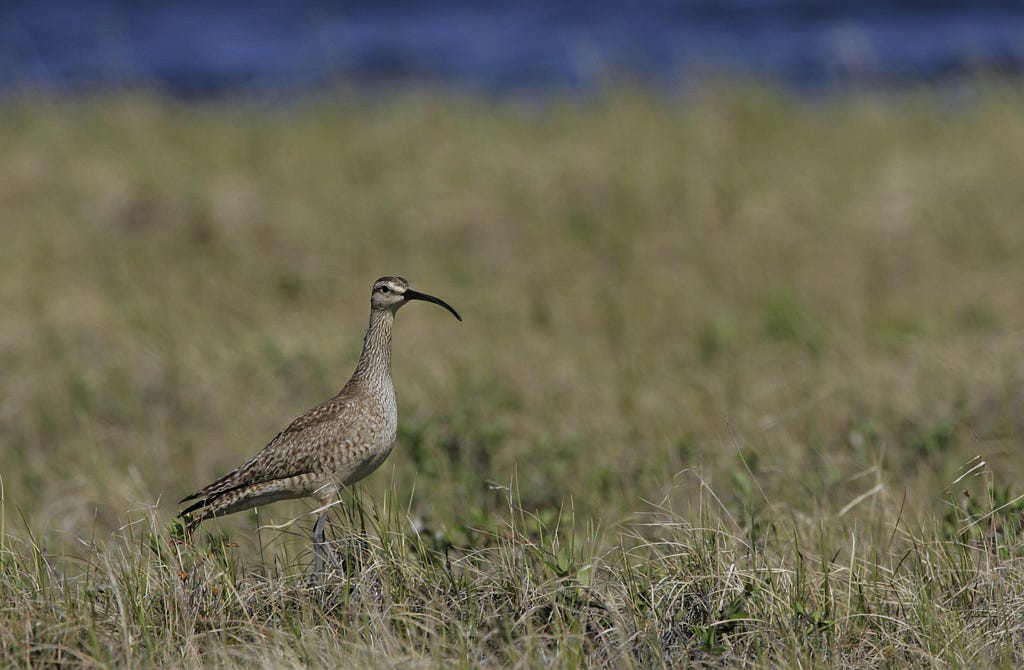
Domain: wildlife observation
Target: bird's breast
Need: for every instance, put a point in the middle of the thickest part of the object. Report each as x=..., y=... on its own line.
x=376, y=437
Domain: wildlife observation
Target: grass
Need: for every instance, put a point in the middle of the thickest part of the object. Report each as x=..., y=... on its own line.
x=740, y=381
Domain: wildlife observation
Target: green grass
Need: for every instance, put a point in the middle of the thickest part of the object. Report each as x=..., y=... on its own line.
x=740, y=382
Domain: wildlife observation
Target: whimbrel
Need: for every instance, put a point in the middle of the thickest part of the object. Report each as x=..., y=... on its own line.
x=335, y=444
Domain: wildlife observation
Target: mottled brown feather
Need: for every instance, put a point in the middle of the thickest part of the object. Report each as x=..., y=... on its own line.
x=334, y=444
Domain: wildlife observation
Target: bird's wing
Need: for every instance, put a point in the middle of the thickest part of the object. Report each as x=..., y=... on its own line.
x=293, y=451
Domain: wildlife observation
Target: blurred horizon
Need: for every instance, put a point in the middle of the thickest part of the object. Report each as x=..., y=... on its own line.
x=273, y=48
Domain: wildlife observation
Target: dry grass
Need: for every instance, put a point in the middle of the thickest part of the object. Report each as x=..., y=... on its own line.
x=723, y=369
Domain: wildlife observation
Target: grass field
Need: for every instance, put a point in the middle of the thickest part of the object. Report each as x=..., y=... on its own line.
x=740, y=381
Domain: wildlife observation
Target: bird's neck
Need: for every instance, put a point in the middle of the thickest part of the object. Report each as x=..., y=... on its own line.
x=375, y=359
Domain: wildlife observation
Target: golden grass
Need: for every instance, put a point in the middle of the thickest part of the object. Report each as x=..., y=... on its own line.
x=721, y=365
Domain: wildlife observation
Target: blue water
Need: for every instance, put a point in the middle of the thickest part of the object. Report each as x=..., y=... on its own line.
x=286, y=47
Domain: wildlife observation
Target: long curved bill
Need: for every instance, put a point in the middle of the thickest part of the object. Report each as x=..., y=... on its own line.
x=416, y=295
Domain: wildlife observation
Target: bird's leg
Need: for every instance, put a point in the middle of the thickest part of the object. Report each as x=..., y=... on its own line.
x=320, y=547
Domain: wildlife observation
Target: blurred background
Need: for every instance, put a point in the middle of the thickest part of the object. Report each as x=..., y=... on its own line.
x=279, y=49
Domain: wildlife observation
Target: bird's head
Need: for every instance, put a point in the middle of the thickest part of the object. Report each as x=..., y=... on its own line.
x=392, y=292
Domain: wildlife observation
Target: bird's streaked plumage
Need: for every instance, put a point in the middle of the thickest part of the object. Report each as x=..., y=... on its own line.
x=336, y=443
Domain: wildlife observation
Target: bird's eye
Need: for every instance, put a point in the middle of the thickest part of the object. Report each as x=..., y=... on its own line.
x=384, y=289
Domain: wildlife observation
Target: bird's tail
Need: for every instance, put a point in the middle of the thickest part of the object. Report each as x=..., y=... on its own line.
x=227, y=496
x=193, y=515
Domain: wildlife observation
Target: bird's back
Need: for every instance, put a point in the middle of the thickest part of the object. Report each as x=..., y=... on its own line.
x=334, y=444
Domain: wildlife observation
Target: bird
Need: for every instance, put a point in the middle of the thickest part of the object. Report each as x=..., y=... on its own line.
x=333, y=445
